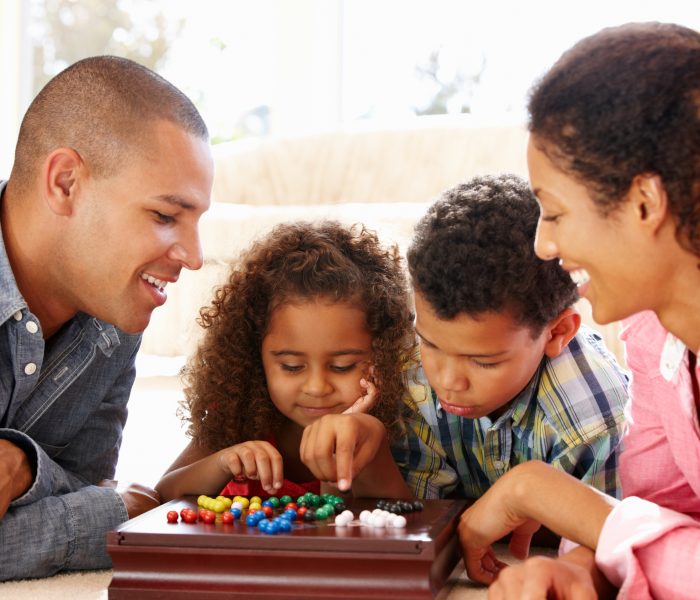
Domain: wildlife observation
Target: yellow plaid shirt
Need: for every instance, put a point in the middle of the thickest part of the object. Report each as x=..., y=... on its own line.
x=570, y=415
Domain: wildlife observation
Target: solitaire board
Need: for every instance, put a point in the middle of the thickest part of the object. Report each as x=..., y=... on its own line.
x=156, y=559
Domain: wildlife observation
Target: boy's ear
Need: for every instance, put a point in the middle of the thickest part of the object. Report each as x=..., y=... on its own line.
x=62, y=169
x=561, y=329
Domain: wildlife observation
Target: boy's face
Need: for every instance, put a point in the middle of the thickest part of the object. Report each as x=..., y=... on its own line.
x=476, y=366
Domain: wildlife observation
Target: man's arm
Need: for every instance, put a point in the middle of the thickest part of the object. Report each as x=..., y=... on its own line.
x=61, y=520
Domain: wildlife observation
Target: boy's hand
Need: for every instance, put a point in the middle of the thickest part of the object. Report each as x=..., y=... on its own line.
x=336, y=448
x=365, y=402
x=254, y=460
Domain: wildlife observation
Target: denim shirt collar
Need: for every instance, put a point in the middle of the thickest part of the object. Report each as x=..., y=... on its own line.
x=10, y=298
x=105, y=335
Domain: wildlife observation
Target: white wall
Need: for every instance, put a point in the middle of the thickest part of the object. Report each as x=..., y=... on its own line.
x=14, y=77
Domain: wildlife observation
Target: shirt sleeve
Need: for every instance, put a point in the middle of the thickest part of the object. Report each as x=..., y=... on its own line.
x=419, y=454
x=650, y=551
x=594, y=462
x=57, y=533
x=61, y=521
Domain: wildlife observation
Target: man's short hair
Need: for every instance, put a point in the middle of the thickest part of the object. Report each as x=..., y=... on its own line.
x=102, y=108
x=473, y=252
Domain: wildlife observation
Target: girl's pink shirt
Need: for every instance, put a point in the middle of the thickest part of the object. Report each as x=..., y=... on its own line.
x=650, y=543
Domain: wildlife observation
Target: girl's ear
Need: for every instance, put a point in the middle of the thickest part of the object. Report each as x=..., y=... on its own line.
x=560, y=331
x=60, y=175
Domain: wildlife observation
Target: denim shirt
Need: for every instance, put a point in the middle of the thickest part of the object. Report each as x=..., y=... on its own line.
x=63, y=401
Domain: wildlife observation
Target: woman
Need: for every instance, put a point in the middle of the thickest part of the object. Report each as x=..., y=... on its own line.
x=614, y=159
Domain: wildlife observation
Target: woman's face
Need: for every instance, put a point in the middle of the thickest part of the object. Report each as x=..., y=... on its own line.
x=603, y=254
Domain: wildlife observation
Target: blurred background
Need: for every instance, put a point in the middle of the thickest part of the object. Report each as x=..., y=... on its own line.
x=273, y=68
x=285, y=66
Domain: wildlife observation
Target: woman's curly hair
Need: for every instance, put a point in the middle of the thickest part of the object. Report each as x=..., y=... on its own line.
x=225, y=388
x=626, y=102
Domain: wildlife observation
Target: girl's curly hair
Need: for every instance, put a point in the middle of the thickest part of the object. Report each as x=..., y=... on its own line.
x=625, y=102
x=225, y=388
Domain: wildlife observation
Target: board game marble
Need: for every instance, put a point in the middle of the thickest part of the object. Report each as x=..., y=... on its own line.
x=156, y=559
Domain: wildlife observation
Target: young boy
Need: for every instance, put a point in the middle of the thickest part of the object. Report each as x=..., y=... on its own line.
x=511, y=373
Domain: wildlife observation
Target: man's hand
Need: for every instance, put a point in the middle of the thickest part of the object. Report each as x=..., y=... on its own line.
x=336, y=448
x=16, y=475
x=137, y=498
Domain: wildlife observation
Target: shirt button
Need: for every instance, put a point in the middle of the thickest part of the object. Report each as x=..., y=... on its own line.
x=30, y=369
x=18, y=315
x=32, y=327
x=498, y=464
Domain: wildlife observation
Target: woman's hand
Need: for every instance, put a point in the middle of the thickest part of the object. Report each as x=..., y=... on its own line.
x=572, y=576
x=489, y=519
x=254, y=460
x=542, y=578
x=529, y=495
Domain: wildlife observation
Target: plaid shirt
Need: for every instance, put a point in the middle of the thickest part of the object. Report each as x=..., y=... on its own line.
x=570, y=415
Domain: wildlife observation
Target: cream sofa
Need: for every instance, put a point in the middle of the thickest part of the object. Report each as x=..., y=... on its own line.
x=384, y=178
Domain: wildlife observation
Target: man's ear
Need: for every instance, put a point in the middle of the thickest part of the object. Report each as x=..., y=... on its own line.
x=560, y=331
x=649, y=200
x=61, y=172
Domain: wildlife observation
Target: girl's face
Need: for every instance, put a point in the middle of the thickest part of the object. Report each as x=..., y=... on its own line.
x=314, y=355
x=603, y=254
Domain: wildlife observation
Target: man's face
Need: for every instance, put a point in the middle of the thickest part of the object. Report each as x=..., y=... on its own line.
x=134, y=231
x=476, y=365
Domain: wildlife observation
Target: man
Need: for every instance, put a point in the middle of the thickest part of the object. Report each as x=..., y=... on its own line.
x=112, y=172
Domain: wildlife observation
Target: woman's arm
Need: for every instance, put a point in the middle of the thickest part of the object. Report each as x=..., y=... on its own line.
x=529, y=495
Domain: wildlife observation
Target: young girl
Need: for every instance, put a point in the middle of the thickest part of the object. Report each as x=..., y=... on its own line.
x=280, y=393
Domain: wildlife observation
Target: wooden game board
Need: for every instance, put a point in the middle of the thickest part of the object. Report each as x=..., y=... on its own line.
x=154, y=559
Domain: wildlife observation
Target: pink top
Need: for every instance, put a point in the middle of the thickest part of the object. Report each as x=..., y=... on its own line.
x=650, y=543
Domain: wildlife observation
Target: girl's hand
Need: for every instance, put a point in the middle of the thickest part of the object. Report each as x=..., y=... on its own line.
x=540, y=578
x=336, y=448
x=365, y=402
x=254, y=460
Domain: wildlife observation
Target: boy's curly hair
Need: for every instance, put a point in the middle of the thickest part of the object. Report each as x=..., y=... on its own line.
x=473, y=252
x=225, y=388
x=625, y=102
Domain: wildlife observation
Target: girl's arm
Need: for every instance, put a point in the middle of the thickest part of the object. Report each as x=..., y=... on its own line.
x=198, y=471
